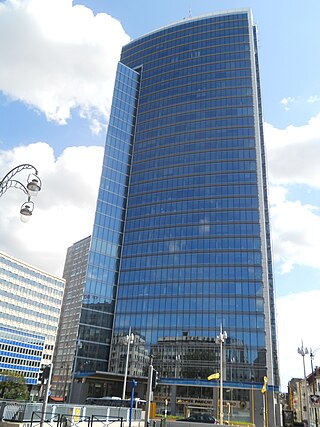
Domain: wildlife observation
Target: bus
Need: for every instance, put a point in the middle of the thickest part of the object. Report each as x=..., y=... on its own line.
x=116, y=402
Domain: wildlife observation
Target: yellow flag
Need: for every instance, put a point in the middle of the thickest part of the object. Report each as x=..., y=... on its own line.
x=264, y=388
x=214, y=376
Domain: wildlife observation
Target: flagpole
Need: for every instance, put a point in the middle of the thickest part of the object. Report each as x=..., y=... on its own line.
x=221, y=339
x=264, y=392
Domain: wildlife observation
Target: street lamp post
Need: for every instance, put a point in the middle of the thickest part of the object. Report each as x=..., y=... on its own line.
x=129, y=339
x=31, y=189
x=221, y=339
x=303, y=351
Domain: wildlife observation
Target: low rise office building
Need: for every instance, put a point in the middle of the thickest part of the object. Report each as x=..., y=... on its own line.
x=30, y=303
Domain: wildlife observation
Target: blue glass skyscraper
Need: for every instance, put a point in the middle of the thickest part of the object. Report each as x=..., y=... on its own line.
x=181, y=243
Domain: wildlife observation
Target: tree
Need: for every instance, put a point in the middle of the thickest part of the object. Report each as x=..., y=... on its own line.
x=13, y=386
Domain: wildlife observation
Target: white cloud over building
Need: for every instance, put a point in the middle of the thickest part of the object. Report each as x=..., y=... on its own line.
x=59, y=58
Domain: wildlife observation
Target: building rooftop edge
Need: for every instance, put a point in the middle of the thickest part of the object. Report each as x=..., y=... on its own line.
x=193, y=18
x=18, y=261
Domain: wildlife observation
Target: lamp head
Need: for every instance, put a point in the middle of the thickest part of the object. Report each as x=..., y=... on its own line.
x=26, y=211
x=34, y=185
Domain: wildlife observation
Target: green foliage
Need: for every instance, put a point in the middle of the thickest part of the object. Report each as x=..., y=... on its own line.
x=13, y=386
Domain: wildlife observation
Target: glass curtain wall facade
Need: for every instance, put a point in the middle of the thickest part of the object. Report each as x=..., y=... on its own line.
x=181, y=238
x=96, y=320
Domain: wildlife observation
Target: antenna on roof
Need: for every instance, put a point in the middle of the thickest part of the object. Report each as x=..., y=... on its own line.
x=189, y=15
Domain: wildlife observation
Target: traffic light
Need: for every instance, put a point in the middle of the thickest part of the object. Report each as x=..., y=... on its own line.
x=155, y=379
x=44, y=374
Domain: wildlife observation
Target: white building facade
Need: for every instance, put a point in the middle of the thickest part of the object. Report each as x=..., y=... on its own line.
x=30, y=303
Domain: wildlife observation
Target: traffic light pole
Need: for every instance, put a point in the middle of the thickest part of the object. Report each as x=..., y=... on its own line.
x=46, y=395
x=148, y=396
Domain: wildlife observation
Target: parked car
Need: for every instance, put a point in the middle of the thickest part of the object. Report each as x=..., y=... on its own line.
x=200, y=418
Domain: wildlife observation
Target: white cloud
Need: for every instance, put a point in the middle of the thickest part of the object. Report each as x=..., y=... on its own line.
x=313, y=98
x=295, y=231
x=293, y=158
x=57, y=57
x=297, y=316
x=293, y=153
x=64, y=208
x=286, y=102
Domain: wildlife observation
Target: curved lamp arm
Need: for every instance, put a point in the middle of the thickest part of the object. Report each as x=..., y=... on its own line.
x=16, y=170
x=12, y=183
x=31, y=189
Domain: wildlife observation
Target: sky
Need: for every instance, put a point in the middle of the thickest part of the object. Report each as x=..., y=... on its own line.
x=57, y=66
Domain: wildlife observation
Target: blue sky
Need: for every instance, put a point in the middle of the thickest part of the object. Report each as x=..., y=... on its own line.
x=57, y=70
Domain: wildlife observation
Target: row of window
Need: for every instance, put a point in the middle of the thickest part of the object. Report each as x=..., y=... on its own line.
x=22, y=350
x=15, y=318
x=113, y=210
x=29, y=370
x=122, y=130
x=101, y=231
x=154, y=275
x=38, y=277
x=22, y=359
x=186, y=303
x=239, y=289
x=182, y=232
x=193, y=192
x=126, y=75
x=191, y=245
x=196, y=106
x=28, y=306
x=125, y=126
x=46, y=291
x=192, y=136
x=33, y=299
x=121, y=140
x=114, y=202
x=20, y=338
x=95, y=318
x=204, y=205
x=98, y=302
x=186, y=319
x=195, y=116
x=218, y=162
x=191, y=259
x=229, y=57
x=186, y=29
x=210, y=184
x=110, y=250
x=197, y=152
x=196, y=91
x=235, y=122
x=222, y=90
x=215, y=50
x=141, y=323
x=198, y=218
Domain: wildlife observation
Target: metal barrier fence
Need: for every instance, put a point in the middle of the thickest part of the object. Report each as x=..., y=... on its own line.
x=27, y=411
x=105, y=421
x=37, y=418
x=67, y=420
